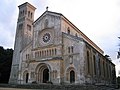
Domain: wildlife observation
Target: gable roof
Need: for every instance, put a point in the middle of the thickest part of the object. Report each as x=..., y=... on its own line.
x=27, y=4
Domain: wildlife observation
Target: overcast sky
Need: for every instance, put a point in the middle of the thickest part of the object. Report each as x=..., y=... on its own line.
x=98, y=19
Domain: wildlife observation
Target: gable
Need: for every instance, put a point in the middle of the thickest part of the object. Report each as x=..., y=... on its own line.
x=47, y=20
x=45, y=14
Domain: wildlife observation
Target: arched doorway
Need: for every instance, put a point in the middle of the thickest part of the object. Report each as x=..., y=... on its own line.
x=45, y=75
x=27, y=75
x=72, y=76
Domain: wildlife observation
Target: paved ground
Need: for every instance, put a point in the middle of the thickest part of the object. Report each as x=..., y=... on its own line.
x=27, y=89
x=19, y=89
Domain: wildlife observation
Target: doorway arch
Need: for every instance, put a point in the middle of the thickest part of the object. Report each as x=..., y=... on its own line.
x=72, y=76
x=27, y=75
x=43, y=73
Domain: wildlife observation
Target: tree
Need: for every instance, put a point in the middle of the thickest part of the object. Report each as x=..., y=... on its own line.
x=118, y=81
x=5, y=64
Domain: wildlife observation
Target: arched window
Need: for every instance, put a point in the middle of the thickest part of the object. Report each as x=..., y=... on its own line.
x=20, y=14
x=40, y=54
x=88, y=62
x=99, y=67
x=55, y=51
x=23, y=13
x=26, y=56
x=107, y=70
x=103, y=68
x=20, y=26
x=47, y=53
x=68, y=49
x=31, y=15
x=52, y=51
x=94, y=60
x=68, y=30
x=72, y=49
x=28, y=13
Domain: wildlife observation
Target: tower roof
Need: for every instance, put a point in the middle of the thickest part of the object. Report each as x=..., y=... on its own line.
x=27, y=4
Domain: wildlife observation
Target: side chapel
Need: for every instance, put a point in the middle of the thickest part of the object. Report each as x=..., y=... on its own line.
x=52, y=49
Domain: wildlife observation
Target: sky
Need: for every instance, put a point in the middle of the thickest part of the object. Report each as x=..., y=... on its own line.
x=98, y=19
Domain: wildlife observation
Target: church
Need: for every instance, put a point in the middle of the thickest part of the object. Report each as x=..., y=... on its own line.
x=52, y=49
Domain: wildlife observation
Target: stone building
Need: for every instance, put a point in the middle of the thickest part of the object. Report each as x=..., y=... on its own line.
x=52, y=49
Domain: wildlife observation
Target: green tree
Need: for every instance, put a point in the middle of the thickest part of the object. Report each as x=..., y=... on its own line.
x=118, y=79
x=5, y=64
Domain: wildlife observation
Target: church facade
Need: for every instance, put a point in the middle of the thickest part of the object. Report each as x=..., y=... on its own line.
x=52, y=49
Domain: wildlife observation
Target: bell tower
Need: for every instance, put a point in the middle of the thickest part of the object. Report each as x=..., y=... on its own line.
x=24, y=34
x=24, y=24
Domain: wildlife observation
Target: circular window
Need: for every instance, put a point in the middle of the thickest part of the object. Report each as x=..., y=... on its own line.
x=46, y=37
